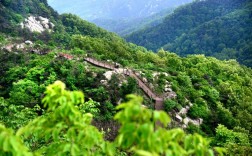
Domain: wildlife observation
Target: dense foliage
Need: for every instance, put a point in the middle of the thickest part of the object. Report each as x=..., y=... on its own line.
x=13, y=12
x=65, y=130
x=220, y=93
x=212, y=27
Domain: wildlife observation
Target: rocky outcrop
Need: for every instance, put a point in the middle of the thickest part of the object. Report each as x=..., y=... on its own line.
x=17, y=46
x=37, y=24
x=186, y=120
x=109, y=74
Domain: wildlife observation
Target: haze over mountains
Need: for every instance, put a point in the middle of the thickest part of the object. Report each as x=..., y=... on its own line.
x=114, y=15
x=203, y=95
x=113, y=9
x=213, y=27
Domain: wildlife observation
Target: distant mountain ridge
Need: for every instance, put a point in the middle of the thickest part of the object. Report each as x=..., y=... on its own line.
x=219, y=93
x=211, y=27
x=125, y=27
x=120, y=16
x=114, y=9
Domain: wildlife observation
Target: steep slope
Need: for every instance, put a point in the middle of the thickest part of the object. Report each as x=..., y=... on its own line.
x=231, y=40
x=217, y=92
x=13, y=12
x=206, y=27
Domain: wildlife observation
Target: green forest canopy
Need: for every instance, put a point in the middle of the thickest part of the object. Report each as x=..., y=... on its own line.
x=215, y=28
x=220, y=90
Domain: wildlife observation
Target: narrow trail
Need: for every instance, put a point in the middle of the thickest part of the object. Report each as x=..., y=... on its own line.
x=159, y=101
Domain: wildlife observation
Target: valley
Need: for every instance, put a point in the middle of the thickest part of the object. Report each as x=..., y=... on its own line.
x=69, y=87
x=121, y=17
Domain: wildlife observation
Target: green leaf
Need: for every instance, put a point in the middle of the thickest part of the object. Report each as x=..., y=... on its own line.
x=220, y=150
x=143, y=153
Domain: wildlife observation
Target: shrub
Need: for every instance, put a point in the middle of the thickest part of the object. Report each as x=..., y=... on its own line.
x=169, y=105
x=65, y=130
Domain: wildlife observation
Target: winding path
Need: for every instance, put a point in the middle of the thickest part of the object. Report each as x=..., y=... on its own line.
x=159, y=101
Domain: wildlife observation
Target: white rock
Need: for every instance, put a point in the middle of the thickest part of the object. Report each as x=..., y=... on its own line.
x=171, y=95
x=165, y=74
x=168, y=86
x=154, y=74
x=200, y=121
x=28, y=42
x=42, y=19
x=22, y=25
x=39, y=24
x=20, y=46
x=183, y=111
x=119, y=70
x=195, y=122
x=51, y=25
x=168, y=90
x=109, y=74
x=178, y=118
x=186, y=120
x=184, y=126
x=104, y=82
x=145, y=80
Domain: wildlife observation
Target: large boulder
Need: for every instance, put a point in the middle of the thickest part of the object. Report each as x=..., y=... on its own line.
x=37, y=24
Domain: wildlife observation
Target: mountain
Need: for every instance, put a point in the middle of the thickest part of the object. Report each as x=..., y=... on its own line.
x=114, y=9
x=203, y=95
x=125, y=27
x=123, y=16
x=211, y=27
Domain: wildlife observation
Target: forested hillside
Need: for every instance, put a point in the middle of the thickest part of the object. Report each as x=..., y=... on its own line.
x=40, y=116
x=13, y=12
x=214, y=28
x=121, y=17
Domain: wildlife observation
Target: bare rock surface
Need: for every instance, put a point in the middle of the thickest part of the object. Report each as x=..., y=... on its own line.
x=37, y=24
x=109, y=74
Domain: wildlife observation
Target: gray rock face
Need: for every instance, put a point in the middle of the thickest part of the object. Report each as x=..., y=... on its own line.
x=37, y=24
x=185, y=121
